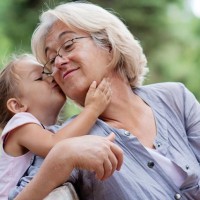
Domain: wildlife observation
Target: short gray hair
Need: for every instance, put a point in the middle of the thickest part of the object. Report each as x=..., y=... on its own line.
x=105, y=28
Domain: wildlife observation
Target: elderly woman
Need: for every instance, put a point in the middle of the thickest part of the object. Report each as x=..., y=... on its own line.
x=157, y=126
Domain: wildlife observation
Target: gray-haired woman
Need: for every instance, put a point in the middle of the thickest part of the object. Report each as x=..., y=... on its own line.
x=157, y=126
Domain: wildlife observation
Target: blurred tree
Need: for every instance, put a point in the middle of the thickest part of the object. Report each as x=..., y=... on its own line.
x=168, y=32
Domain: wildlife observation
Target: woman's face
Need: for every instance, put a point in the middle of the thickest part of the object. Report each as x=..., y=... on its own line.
x=81, y=63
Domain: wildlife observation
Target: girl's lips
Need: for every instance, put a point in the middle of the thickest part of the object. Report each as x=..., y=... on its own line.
x=54, y=85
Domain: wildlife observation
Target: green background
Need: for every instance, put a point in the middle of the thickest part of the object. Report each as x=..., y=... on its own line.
x=167, y=29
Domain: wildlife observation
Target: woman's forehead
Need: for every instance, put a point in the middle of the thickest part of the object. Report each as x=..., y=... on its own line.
x=58, y=34
x=58, y=31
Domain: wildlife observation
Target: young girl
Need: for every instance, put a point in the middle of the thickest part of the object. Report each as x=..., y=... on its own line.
x=30, y=101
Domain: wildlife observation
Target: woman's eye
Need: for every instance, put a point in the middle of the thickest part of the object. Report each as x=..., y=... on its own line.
x=68, y=47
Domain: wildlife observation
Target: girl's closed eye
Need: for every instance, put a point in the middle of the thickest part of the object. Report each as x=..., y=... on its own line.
x=39, y=79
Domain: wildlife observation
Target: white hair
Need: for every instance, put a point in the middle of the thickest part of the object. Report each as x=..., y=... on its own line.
x=106, y=29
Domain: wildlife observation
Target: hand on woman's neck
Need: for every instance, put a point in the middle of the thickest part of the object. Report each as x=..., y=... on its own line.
x=122, y=100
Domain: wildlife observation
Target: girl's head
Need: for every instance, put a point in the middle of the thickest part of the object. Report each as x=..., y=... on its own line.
x=107, y=31
x=24, y=88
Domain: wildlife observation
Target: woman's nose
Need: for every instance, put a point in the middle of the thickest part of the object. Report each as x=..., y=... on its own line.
x=60, y=61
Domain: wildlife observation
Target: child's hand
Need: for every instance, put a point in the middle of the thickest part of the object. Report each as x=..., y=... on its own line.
x=98, y=97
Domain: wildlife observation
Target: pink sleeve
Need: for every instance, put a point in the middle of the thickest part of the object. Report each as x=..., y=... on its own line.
x=17, y=120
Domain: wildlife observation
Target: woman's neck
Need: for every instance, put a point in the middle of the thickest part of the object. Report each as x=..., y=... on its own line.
x=124, y=103
x=128, y=111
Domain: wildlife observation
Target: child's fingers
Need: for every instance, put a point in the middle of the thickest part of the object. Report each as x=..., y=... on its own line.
x=108, y=94
x=93, y=85
x=107, y=90
x=108, y=87
x=91, y=92
x=92, y=88
x=104, y=86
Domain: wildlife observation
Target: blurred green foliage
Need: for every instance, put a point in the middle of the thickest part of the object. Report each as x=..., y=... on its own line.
x=167, y=29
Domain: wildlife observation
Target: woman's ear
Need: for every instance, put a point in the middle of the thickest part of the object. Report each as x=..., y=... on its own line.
x=15, y=106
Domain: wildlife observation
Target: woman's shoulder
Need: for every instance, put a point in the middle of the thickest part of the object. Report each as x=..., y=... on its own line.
x=169, y=93
x=166, y=86
x=167, y=89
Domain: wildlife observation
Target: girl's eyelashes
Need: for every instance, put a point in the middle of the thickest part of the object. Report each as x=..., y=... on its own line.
x=39, y=79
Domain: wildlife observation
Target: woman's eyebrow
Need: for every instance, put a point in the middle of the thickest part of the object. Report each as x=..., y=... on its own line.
x=59, y=37
x=64, y=33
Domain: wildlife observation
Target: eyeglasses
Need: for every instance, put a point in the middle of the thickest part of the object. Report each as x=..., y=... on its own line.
x=46, y=73
x=64, y=50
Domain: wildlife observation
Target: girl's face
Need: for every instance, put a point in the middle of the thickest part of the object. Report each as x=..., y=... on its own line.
x=41, y=94
x=78, y=65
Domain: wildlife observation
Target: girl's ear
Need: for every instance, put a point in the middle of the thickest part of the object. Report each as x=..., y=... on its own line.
x=15, y=106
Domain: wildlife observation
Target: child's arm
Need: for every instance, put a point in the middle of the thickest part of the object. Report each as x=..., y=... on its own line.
x=40, y=141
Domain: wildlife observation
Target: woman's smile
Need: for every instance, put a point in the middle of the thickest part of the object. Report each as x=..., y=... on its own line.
x=69, y=73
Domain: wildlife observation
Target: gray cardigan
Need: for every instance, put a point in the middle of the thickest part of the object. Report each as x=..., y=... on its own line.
x=177, y=116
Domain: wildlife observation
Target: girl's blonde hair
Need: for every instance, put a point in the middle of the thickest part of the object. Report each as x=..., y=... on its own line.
x=106, y=29
x=9, y=86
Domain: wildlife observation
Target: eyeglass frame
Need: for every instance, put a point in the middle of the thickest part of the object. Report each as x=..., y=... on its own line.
x=49, y=72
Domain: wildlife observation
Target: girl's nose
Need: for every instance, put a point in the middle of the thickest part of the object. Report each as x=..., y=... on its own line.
x=48, y=78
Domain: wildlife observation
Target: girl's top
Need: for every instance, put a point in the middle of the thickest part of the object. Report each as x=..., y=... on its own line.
x=13, y=168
